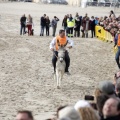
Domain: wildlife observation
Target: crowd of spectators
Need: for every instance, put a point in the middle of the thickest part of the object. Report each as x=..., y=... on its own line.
x=103, y=105
x=74, y=25
x=110, y=23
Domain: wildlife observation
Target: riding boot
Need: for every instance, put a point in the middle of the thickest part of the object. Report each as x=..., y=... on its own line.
x=54, y=60
x=67, y=60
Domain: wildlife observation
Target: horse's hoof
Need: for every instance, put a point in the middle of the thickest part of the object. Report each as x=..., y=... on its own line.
x=58, y=87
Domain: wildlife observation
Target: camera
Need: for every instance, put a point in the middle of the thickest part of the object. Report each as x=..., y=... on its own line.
x=89, y=97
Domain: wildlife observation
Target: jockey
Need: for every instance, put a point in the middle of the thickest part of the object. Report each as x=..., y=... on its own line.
x=63, y=40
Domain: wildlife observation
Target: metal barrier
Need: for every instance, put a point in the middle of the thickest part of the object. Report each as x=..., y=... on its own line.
x=103, y=34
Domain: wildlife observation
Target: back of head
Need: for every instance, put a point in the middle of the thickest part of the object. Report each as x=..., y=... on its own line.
x=27, y=112
x=101, y=99
x=60, y=108
x=69, y=113
x=81, y=104
x=106, y=87
x=88, y=113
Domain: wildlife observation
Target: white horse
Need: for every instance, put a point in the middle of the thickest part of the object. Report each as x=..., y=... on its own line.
x=60, y=65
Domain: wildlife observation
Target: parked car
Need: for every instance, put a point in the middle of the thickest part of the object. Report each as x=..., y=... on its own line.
x=104, y=3
x=55, y=1
x=115, y=3
x=92, y=2
x=27, y=0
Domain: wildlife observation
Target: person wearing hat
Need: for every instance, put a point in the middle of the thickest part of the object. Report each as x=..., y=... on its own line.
x=117, y=43
x=107, y=87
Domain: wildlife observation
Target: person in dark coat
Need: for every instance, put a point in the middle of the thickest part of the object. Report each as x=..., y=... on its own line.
x=23, y=24
x=47, y=25
x=64, y=23
x=86, y=26
x=77, y=27
x=42, y=24
x=92, y=26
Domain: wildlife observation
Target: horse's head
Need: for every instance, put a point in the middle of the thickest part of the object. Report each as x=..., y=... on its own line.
x=61, y=53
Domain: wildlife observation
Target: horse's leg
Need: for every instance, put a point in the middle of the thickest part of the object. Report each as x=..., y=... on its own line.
x=57, y=77
x=62, y=73
x=60, y=77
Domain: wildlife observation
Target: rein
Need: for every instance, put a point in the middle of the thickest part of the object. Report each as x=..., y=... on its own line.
x=55, y=55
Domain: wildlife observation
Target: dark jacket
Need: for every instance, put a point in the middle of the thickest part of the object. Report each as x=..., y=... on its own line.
x=92, y=24
x=23, y=21
x=77, y=25
x=47, y=22
x=43, y=21
x=112, y=118
x=64, y=23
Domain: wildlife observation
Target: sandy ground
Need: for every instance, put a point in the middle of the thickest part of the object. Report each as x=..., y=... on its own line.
x=25, y=62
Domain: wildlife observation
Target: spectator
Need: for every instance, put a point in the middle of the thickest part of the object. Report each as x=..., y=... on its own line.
x=86, y=26
x=54, y=25
x=117, y=42
x=112, y=14
x=111, y=109
x=70, y=25
x=24, y=115
x=77, y=15
x=119, y=18
x=60, y=108
x=118, y=87
x=88, y=113
x=86, y=15
x=69, y=113
x=117, y=83
x=42, y=24
x=23, y=24
x=83, y=24
x=100, y=101
x=47, y=26
x=96, y=20
x=92, y=26
x=29, y=24
x=77, y=27
x=80, y=104
x=64, y=23
x=100, y=22
x=106, y=87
